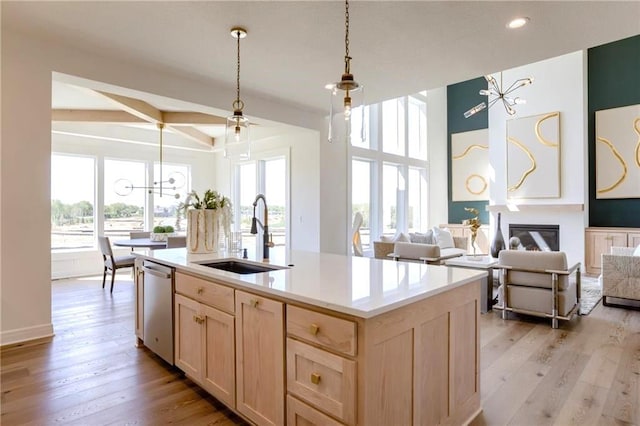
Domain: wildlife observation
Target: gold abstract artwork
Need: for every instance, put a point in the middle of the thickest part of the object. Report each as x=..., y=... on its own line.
x=618, y=152
x=470, y=165
x=533, y=156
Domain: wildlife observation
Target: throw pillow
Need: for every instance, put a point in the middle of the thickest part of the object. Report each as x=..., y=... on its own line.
x=443, y=237
x=401, y=237
x=636, y=252
x=386, y=238
x=422, y=238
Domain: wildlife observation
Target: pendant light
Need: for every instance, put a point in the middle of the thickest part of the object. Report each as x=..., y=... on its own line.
x=496, y=93
x=346, y=116
x=236, y=140
x=124, y=187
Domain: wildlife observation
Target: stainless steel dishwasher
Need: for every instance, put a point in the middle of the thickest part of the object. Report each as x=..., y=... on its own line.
x=158, y=309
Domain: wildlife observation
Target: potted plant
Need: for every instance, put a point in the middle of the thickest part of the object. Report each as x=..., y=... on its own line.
x=160, y=233
x=206, y=216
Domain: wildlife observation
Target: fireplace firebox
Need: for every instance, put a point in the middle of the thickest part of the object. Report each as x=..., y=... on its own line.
x=536, y=237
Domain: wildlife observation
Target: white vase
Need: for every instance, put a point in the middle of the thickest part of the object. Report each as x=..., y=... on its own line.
x=202, y=231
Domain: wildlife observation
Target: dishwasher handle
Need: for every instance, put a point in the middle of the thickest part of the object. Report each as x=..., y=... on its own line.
x=156, y=273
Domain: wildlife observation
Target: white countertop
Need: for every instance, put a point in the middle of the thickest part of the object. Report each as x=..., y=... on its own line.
x=359, y=286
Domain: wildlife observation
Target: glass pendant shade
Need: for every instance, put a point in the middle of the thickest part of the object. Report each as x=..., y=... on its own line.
x=347, y=115
x=236, y=138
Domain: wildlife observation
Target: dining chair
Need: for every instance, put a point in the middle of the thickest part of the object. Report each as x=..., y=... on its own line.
x=112, y=263
x=135, y=235
x=173, y=242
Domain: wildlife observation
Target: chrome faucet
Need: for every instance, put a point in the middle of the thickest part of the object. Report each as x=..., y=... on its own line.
x=266, y=241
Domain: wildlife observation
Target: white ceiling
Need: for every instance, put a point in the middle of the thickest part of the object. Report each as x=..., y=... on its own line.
x=294, y=48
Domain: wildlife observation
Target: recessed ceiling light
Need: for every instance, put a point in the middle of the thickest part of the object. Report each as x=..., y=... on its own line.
x=518, y=23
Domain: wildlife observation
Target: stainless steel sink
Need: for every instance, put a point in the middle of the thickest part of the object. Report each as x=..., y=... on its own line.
x=238, y=267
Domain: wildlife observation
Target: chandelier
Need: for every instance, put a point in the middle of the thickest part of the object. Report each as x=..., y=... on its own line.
x=236, y=140
x=346, y=115
x=124, y=187
x=495, y=93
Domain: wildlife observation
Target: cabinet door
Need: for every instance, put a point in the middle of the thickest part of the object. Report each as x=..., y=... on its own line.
x=139, y=307
x=599, y=242
x=633, y=239
x=218, y=375
x=260, y=359
x=188, y=337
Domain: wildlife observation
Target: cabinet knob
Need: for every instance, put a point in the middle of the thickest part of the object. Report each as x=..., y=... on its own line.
x=315, y=378
x=313, y=329
x=198, y=318
x=200, y=290
x=254, y=302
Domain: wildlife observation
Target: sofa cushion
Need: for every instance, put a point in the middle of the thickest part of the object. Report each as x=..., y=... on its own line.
x=404, y=250
x=422, y=238
x=452, y=252
x=443, y=238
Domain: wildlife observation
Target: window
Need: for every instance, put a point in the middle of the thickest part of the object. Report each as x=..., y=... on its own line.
x=123, y=213
x=361, y=199
x=393, y=127
x=268, y=176
x=389, y=171
x=165, y=208
x=417, y=214
x=417, y=128
x=72, y=202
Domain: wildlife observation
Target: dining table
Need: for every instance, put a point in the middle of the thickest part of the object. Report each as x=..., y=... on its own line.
x=140, y=243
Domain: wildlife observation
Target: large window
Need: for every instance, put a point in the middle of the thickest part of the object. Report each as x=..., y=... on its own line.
x=394, y=161
x=165, y=207
x=266, y=176
x=124, y=213
x=72, y=202
x=93, y=196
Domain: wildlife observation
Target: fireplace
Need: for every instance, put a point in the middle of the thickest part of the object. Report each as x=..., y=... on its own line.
x=536, y=237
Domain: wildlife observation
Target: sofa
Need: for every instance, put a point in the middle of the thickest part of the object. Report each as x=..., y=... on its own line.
x=433, y=246
x=621, y=275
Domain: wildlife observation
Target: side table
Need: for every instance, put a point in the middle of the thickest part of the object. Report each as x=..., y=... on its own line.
x=479, y=262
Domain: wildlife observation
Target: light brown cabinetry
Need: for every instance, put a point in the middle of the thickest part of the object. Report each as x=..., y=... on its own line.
x=600, y=240
x=205, y=341
x=260, y=359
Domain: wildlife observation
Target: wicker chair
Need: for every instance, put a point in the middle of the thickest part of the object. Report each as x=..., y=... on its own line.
x=620, y=276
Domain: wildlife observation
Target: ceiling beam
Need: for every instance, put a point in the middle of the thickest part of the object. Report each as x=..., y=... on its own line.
x=136, y=107
x=94, y=116
x=192, y=118
x=193, y=134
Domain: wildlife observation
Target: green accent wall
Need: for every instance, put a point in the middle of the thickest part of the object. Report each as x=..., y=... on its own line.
x=460, y=98
x=613, y=81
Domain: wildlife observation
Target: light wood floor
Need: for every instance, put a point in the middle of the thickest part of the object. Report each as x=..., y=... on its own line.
x=586, y=372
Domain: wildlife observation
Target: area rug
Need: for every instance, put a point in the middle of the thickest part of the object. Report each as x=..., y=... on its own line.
x=591, y=294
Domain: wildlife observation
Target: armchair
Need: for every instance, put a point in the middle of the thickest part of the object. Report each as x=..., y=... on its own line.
x=620, y=275
x=538, y=283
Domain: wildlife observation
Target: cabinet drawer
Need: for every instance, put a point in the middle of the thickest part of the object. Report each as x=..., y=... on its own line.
x=324, y=380
x=334, y=333
x=300, y=414
x=212, y=294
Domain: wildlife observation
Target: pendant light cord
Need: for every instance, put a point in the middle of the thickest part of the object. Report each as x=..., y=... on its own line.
x=238, y=104
x=347, y=58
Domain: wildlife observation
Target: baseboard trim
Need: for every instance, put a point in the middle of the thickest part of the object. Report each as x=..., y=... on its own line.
x=22, y=335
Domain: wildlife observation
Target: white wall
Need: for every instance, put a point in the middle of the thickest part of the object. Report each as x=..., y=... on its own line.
x=437, y=156
x=26, y=71
x=559, y=85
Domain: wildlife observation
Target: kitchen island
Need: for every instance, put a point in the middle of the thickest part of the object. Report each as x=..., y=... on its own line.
x=327, y=339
